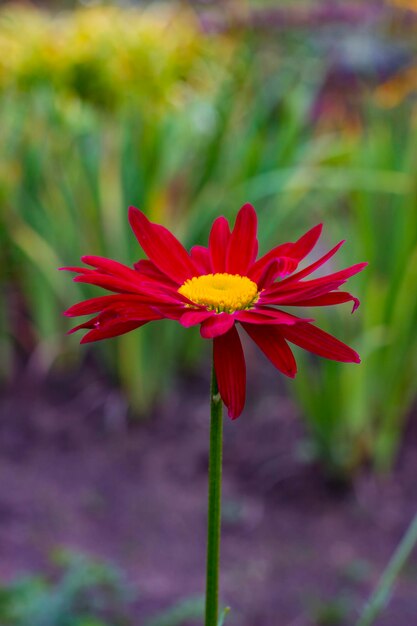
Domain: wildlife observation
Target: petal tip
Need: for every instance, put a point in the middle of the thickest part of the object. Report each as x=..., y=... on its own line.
x=133, y=214
x=71, y=331
x=247, y=206
x=233, y=415
x=247, y=211
x=88, y=259
x=318, y=228
x=356, y=304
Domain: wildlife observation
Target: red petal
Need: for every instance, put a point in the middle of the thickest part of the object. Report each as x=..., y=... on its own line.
x=112, y=283
x=94, y=305
x=114, y=330
x=311, y=268
x=243, y=245
x=230, y=368
x=286, y=265
x=328, y=299
x=146, y=292
x=319, y=342
x=218, y=244
x=137, y=313
x=336, y=276
x=148, y=270
x=306, y=243
x=89, y=324
x=154, y=281
x=295, y=251
x=114, y=268
x=169, y=311
x=143, y=280
x=258, y=268
x=274, y=346
x=216, y=325
x=201, y=257
x=334, y=280
x=73, y=268
x=191, y=318
x=117, y=319
x=120, y=311
x=162, y=248
x=307, y=290
x=268, y=274
x=152, y=278
x=268, y=316
x=282, y=266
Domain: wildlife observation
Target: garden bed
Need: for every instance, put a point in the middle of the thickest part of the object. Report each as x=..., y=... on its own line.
x=297, y=551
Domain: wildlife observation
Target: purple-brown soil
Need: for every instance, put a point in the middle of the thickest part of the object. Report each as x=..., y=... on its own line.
x=77, y=473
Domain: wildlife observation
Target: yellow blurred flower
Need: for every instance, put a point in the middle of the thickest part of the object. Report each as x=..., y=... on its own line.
x=107, y=55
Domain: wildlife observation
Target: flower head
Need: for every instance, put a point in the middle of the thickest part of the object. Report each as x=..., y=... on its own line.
x=218, y=287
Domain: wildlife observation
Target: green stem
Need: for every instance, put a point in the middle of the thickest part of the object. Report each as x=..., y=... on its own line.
x=381, y=595
x=214, y=505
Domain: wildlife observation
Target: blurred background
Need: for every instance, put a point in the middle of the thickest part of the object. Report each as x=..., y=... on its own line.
x=188, y=110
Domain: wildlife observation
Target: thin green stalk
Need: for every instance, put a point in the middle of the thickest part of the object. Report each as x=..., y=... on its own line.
x=382, y=593
x=214, y=505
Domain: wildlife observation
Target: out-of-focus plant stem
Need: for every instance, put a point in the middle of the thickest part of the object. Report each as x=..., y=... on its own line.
x=382, y=593
x=214, y=504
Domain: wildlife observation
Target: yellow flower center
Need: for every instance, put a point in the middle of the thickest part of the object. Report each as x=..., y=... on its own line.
x=221, y=292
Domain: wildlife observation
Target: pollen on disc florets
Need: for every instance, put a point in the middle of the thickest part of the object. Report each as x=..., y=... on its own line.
x=221, y=292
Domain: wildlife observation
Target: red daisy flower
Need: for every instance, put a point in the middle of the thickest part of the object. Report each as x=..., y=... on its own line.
x=217, y=287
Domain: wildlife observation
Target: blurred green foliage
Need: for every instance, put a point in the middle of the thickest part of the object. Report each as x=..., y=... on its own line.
x=84, y=593
x=359, y=413
x=140, y=107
